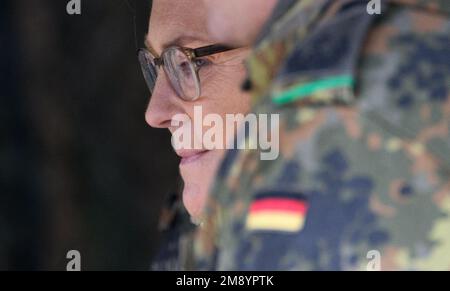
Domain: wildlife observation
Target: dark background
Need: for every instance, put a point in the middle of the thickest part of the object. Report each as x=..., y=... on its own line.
x=79, y=167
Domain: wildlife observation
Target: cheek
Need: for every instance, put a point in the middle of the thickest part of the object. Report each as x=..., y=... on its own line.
x=224, y=95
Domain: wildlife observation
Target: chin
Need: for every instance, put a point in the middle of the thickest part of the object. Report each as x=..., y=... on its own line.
x=198, y=177
x=194, y=199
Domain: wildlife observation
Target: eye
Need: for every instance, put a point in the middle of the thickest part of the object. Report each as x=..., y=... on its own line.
x=185, y=67
x=199, y=63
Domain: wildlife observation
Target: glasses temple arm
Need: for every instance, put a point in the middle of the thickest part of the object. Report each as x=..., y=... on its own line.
x=210, y=50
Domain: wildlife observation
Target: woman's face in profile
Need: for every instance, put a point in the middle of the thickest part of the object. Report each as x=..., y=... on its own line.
x=184, y=24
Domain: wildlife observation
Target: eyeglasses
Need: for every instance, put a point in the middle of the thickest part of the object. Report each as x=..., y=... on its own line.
x=181, y=66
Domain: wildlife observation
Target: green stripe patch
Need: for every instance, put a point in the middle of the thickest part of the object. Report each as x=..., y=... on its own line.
x=300, y=92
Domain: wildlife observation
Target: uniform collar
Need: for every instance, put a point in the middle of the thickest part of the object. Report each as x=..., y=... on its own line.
x=288, y=27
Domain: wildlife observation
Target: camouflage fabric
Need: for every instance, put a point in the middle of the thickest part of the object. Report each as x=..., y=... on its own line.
x=364, y=104
x=176, y=246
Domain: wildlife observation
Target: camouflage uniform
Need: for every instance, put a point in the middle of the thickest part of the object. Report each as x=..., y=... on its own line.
x=176, y=246
x=364, y=104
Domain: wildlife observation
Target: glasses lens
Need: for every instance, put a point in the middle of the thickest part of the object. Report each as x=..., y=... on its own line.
x=182, y=74
x=148, y=68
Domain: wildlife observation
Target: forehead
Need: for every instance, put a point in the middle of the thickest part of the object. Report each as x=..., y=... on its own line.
x=180, y=22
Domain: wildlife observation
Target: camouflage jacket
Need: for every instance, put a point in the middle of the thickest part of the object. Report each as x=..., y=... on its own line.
x=363, y=177
x=175, y=251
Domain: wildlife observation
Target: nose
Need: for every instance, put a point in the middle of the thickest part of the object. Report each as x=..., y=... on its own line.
x=164, y=104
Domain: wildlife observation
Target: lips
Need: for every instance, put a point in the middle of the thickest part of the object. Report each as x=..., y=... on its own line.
x=189, y=156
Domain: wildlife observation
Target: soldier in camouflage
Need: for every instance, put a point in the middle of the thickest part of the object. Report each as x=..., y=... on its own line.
x=364, y=166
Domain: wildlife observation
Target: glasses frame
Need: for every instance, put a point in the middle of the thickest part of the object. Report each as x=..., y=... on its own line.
x=191, y=53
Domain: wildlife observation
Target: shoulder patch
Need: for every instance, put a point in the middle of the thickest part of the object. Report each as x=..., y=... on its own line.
x=322, y=68
x=284, y=212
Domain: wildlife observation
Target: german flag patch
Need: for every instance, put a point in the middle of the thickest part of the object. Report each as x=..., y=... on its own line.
x=277, y=212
